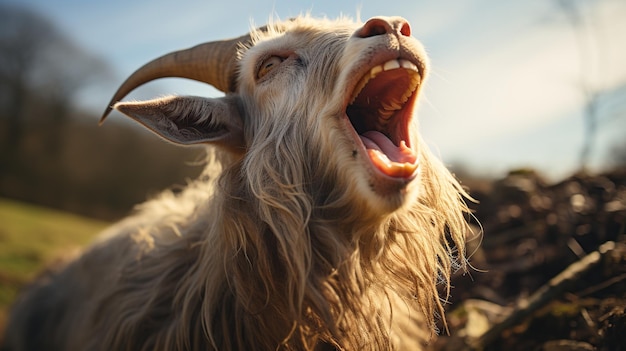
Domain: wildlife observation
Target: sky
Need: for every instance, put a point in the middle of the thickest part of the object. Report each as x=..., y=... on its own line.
x=505, y=87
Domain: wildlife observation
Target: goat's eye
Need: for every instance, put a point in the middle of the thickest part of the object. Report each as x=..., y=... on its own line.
x=267, y=65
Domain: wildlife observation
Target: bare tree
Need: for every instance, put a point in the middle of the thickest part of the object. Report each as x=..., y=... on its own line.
x=20, y=38
x=50, y=152
x=587, y=87
x=38, y=66
x=598, y=101
x=619, y=155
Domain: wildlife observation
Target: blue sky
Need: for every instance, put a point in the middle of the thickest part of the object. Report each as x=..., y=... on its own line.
x=504, y=92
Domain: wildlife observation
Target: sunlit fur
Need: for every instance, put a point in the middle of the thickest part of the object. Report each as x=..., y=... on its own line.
x=281, y=248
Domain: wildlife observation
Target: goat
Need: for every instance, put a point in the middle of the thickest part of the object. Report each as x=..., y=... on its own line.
x=321, y=222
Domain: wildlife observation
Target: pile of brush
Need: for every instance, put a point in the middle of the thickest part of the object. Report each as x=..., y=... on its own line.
x=549, y=270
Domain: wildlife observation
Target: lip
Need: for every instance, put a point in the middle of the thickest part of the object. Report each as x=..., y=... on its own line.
x=373, y=170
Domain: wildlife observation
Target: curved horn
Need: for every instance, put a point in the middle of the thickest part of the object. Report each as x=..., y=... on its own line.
x=214, y=63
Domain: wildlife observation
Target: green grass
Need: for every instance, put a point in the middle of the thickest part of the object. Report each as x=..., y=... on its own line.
x=31, y=237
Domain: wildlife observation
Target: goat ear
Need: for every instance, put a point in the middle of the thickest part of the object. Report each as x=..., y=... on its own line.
x=188, y=120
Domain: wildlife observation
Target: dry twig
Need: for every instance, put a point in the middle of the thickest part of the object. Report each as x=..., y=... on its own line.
x=548, y=292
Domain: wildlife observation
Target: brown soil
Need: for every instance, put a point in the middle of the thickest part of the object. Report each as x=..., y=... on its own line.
x=549, y=270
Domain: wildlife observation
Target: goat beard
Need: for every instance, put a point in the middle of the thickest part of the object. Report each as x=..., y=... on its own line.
x=331, y=276
x=291, y=270
x=339, y=269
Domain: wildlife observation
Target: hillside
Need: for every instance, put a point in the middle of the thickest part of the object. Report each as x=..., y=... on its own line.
x=31, y=237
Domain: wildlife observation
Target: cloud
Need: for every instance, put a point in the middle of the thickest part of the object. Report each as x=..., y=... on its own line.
x=488, y=88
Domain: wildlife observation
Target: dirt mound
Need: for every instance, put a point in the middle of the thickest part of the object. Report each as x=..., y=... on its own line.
x=550, y=267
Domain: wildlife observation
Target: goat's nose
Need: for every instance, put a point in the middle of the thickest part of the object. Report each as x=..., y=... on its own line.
x=384, y=25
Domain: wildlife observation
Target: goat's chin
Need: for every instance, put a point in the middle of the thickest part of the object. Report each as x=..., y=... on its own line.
x=385, y=194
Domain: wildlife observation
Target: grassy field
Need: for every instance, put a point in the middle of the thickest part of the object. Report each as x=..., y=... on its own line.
x=32, y=236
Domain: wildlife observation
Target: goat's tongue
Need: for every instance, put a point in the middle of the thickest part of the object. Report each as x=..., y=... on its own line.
x=394, y=161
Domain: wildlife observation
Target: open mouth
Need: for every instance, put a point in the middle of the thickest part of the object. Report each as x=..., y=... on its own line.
x=380, y=111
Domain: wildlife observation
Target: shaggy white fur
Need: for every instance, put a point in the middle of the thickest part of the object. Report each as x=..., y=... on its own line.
x=321, y=222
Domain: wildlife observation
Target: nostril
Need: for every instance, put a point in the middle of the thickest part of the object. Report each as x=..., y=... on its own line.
x=405, y=29
x=384, y=25
x=373, y=27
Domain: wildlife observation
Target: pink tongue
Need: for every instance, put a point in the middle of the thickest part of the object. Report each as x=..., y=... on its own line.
x=378, y=141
